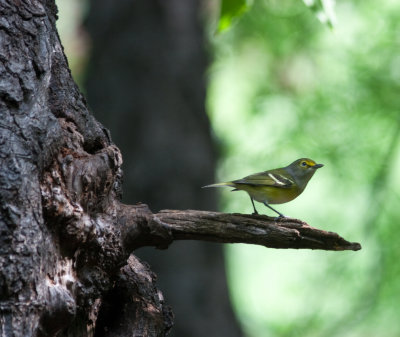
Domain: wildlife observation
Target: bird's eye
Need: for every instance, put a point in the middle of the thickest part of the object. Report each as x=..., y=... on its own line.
x=303, y=163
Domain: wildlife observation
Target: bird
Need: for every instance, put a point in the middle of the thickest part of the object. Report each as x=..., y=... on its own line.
x=276, y=186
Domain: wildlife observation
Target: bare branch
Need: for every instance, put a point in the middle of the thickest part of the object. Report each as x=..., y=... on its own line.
x=169, y=225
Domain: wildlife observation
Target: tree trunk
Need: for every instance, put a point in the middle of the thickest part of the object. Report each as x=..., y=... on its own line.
x=61, y=251
x=146, y=83
x=66, y=240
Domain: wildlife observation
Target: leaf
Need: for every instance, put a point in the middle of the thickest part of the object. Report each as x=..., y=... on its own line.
x=324, y=10
x=230, y=9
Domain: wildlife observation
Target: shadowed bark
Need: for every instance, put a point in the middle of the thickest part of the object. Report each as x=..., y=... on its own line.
x=65, y=237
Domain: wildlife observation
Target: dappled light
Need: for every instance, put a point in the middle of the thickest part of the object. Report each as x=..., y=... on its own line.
x=284, y=86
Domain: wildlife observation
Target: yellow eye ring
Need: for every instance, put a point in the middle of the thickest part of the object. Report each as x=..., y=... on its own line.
x=303, y=163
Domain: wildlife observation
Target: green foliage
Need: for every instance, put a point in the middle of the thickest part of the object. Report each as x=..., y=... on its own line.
x=231, y=9
x=324, y=10
x=282, y=88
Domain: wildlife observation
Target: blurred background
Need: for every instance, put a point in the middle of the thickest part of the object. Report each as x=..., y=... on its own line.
x=277, y=86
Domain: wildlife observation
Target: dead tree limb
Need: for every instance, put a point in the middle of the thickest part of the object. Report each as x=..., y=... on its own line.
x=169, y=225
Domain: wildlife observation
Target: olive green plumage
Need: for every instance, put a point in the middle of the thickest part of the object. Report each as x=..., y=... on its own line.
x=275, y=186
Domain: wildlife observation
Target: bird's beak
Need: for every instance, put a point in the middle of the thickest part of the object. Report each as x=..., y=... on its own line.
x=317, y=166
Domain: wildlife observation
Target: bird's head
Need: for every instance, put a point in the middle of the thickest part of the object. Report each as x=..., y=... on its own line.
x=303, y=169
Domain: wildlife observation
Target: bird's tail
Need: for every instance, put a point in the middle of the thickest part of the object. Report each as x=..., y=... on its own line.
x=229, y=184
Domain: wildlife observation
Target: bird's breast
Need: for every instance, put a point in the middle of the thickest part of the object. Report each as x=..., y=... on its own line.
x=271, y=195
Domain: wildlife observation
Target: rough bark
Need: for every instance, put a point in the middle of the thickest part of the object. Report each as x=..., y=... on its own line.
x=167, y=226
x=65, y=236
x=61, y=251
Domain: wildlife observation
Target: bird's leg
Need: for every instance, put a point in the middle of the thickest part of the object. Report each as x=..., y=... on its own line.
x=255, y=211
x=280, y=214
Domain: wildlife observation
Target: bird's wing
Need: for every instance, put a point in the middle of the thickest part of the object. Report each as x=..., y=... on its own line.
x=266, y=179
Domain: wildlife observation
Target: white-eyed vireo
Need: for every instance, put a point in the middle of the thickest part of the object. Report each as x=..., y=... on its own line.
x=276, y=186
